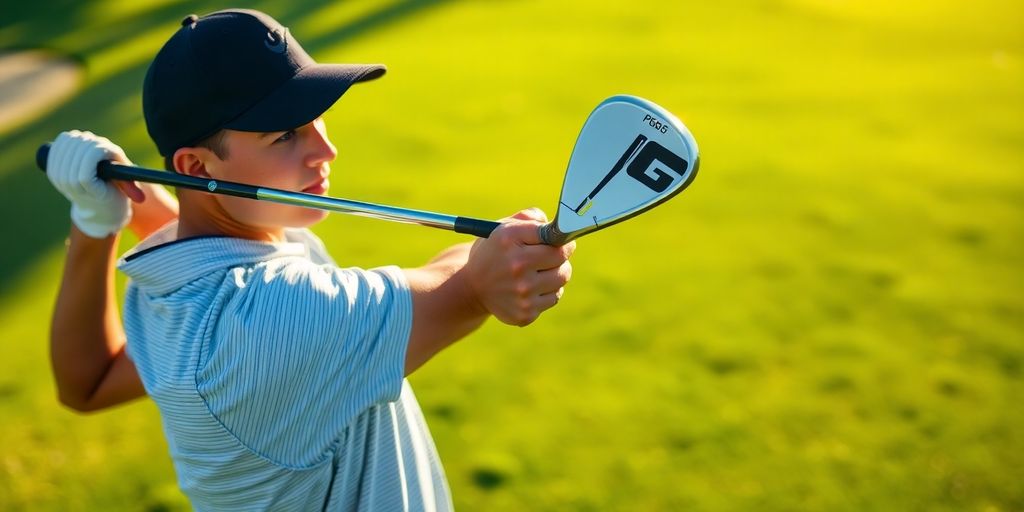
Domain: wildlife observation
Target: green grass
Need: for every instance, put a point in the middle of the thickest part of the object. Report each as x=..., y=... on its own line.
x=830, y=318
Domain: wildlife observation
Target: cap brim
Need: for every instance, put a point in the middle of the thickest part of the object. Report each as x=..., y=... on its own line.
x=304, y=97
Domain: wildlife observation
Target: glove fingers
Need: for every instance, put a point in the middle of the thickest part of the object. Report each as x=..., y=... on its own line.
x=93, y=185
x=98, y=208
x=78, y=165
x=56, y=165
x=67, y=172
x=112, y=151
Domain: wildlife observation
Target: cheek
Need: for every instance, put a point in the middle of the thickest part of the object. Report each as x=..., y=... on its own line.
x=266, y=169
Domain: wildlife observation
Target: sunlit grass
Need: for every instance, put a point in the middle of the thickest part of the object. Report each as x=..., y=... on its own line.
x=829, y=319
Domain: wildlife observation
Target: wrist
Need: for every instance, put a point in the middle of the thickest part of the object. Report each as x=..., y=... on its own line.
x=82, y=247
x=457, y=255
x=472, y=299
x=96, y=223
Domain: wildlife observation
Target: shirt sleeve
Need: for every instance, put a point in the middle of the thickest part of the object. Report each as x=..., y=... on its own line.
x=301, y=350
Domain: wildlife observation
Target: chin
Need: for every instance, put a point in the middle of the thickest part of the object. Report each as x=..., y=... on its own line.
x=276, y=216
x=309, y=218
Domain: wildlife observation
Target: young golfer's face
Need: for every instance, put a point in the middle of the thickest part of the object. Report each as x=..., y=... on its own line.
x=297, y=160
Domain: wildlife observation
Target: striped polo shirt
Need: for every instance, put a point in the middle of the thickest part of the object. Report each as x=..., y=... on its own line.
x=279, y=376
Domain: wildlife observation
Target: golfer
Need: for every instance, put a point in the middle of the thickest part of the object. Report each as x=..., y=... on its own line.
x=280, y=377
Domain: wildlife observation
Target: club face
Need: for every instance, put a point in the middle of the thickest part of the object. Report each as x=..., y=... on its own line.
x=631, y=156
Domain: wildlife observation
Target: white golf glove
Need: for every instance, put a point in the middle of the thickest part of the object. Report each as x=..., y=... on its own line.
x=98, y=208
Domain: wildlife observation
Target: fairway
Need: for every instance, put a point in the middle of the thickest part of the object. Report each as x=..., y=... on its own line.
x=830, y=317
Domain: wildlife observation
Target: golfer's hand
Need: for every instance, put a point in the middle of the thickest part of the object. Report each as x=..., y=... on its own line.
x=515, y=276
x=99, y=209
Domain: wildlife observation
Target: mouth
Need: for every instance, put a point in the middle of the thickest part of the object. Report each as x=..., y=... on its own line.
x=317, y=188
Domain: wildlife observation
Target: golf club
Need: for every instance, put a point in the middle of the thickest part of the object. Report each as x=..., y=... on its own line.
x=623, y=132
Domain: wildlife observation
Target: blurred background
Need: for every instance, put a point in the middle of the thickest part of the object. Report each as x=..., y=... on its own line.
x=830, y=318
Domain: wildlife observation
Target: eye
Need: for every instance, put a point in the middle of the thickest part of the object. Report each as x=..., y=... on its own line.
x=286, y=136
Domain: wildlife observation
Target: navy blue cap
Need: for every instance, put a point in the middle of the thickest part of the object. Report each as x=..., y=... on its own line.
x=238, y=69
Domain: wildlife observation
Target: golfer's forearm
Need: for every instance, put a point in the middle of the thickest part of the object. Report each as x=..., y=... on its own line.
x=120, y=384
x=444, y=307
x=159, y=208
x=86, y=333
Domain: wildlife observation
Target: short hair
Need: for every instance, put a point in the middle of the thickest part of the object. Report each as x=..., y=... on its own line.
x=214, y=143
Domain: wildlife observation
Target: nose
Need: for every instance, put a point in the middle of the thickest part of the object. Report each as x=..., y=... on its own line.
x=321, y=150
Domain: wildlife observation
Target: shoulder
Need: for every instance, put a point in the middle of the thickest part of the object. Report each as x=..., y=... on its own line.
x=285, y=278
x=292, y=299
x=307, y=341
x=314, y=245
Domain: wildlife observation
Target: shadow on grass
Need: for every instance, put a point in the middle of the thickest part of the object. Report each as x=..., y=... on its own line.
x=35, y=217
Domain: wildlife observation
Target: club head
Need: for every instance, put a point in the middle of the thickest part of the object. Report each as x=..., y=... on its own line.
x=630, y=156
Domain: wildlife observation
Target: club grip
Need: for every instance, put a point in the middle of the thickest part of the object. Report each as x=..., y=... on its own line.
x=475, y=227
x=41, y=154
x=105, y=170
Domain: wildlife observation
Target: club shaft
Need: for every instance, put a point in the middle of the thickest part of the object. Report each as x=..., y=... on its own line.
x=110, y=171
x=377, y=211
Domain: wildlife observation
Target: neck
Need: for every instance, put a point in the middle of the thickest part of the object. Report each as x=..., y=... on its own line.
x=202, y=215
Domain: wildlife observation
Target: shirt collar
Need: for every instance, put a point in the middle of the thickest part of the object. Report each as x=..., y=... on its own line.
x=161, y=264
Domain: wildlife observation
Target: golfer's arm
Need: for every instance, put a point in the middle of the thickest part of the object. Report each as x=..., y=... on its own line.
x=159, y=208
x=87, y=341
x=444, y=308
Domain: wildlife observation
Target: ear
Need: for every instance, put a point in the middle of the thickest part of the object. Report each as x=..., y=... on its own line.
x=192, y=161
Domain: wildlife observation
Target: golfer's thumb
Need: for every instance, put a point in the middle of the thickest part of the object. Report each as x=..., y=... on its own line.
x=531, y=214
x=132, y=190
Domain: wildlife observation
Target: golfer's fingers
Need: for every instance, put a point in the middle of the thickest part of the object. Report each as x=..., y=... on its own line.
x=55, y=159
x=533, y=213
x=549, y=281
x=81, y=171
x=114, y=153
x=549, y=300
x=513, y=234
x=544, y=257
x=62, y=152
